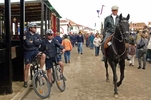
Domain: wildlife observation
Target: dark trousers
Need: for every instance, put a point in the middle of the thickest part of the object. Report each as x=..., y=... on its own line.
x=67, y=56
x=142, y=54
x=87, y=43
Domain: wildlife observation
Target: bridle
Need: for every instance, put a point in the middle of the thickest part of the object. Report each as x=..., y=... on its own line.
x=120, y=40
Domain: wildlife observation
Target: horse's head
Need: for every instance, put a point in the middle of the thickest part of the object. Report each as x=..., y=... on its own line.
x=124, y=27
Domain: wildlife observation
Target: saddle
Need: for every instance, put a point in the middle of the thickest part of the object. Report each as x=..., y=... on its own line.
x=107, y=41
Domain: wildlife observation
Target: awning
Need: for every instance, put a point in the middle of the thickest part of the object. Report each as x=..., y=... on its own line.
x=52, y=8
x=32, y=9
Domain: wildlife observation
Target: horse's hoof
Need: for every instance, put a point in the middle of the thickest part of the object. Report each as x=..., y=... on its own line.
x=118, y=84
x=116, y=95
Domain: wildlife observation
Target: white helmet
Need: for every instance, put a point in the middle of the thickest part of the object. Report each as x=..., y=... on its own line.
x=32, y=24
x=49, y=31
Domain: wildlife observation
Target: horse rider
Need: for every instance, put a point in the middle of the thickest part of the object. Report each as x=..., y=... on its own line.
x=109, y=27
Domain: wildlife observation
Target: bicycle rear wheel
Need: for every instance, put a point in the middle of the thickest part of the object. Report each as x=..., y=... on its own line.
x=59, y=78
x=41, y=85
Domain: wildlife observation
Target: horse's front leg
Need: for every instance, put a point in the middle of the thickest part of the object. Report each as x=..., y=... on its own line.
x=122, y=67
x=113, y=66
x=107, y=74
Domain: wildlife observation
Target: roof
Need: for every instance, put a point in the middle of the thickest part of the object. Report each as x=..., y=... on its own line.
x=32, y=9
x=71, y=22
x=149, y=23
x=80, y=25
x=87, y=28
x=138, y=25
x=63, y=21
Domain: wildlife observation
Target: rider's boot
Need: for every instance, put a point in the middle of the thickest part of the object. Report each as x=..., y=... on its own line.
x=104, y=57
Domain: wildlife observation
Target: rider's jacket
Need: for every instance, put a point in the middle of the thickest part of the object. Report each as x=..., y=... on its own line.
x=49, y=47
x=31, y=41
x=109, y=25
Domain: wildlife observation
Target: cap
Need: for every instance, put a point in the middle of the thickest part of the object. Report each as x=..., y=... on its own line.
x=114, y=7
x=49, y=31
x=32, y=24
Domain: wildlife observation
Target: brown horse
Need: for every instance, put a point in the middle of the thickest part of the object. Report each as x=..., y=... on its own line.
x=116, y=52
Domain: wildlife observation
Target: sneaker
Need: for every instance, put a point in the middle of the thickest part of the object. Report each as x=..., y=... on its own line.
x=25, y=85
x=143, y=68
x=69, y=61
x=130, y=64
x=128, y=58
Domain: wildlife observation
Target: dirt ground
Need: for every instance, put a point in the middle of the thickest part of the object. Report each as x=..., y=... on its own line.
x=86, y=81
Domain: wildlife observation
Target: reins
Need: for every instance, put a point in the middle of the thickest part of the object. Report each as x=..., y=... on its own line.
x=122, y=40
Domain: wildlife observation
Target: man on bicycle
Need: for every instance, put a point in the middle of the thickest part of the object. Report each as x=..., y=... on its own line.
x=49, y=47
x=32, y=41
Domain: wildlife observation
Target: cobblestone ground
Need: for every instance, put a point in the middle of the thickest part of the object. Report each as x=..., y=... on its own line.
x=86, y=81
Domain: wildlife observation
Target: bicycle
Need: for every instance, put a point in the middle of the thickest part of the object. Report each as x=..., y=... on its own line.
x=39, y=79
x=57, y=75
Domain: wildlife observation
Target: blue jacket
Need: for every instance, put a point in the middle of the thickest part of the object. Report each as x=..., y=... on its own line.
x=50, y=49
x=80, y=38
x=59, y=39
x=30, y=46
x=73, y=38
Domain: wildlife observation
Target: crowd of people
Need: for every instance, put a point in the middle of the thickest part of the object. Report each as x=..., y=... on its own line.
x=140, y=48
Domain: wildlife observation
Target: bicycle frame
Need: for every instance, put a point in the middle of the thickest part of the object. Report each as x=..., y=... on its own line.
x=55, y=64
x=34, y=66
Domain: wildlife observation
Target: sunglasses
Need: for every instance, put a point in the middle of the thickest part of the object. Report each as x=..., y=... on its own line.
x=49, y=34
x=114, y=10
x=34, y=27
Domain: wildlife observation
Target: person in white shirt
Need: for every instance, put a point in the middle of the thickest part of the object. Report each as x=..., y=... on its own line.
x=97, y=42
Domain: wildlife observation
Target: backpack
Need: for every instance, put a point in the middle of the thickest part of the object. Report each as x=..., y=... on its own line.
x=132, y=50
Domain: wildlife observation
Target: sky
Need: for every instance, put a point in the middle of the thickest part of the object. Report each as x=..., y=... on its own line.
x=84, y=11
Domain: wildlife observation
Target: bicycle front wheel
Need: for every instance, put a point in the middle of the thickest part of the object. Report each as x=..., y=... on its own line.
x=59, y=78
x=41, y=85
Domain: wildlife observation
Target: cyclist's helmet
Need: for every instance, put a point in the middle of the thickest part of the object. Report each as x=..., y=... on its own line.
x=31, y=24
x=49, y=31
